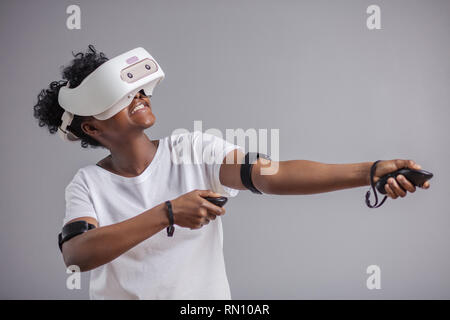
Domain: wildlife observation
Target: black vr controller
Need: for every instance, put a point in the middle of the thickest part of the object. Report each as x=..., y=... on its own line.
x=218, y=201
x=416, y=177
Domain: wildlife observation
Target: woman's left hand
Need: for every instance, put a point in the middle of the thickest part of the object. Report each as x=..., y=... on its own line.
x=397, y=187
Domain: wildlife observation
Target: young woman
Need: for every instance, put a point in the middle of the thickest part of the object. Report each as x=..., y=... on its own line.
x=124, y=196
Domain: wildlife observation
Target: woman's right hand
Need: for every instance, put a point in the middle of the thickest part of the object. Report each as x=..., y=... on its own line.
x=192, y=210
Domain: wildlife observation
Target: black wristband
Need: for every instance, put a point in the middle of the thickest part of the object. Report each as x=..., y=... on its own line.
x=170, y=228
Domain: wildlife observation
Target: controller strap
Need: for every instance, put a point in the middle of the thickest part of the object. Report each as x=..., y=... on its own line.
x=376, y=204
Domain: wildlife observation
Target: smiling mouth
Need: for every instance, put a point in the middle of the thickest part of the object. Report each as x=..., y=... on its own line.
x=141, y=106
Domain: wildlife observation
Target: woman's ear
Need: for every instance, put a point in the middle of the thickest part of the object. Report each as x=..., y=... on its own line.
x=91, y=128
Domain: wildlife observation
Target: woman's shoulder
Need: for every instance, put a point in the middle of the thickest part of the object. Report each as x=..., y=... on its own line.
x=180, y=135
x=84, y=172
x=192, y=137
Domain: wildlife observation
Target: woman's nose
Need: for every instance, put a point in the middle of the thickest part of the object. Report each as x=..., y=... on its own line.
x=141, y=94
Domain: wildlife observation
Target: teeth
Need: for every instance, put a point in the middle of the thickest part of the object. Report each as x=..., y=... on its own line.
x=139, y=106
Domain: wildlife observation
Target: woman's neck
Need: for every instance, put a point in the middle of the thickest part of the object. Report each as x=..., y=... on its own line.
x=130, y=159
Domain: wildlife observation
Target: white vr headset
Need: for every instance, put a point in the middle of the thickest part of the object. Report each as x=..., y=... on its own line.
x=109, y=89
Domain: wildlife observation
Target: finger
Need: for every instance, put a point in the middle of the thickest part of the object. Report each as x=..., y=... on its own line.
x=208, y=193
x=389, y=191
x=405, y=184
x=198, y=226
x=211, y=207
x=400, y=163
x=396, y=188
x=199, y=222
x=205, y=219
x=413, y=165
x=211, y=216
x=426, y=185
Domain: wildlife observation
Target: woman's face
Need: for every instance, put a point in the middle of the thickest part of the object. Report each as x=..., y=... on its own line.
x=123, y=125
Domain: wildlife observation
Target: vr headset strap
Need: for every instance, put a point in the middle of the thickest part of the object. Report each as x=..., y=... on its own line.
x=65, y=134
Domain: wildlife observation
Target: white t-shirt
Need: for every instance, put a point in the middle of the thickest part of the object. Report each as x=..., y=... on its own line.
x=189, y=265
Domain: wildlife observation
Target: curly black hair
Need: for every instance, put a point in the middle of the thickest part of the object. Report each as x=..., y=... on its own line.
x=49, y=112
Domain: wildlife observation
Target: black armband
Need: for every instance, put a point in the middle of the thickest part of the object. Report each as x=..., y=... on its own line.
x=246, y=170
x=73, y=229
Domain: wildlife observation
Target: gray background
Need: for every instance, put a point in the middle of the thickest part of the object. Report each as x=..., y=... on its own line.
x=338, y=92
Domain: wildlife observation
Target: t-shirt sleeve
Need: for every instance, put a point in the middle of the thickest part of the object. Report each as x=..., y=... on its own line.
x=214, y=151
x=78, y=201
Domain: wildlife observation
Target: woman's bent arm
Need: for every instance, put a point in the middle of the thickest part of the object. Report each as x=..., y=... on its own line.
x=102, y=245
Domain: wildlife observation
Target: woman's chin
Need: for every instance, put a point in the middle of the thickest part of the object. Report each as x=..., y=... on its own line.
x=153, y=120
x=145, y=121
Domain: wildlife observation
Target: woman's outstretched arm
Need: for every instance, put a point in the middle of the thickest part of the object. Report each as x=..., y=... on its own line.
x=309, y=177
